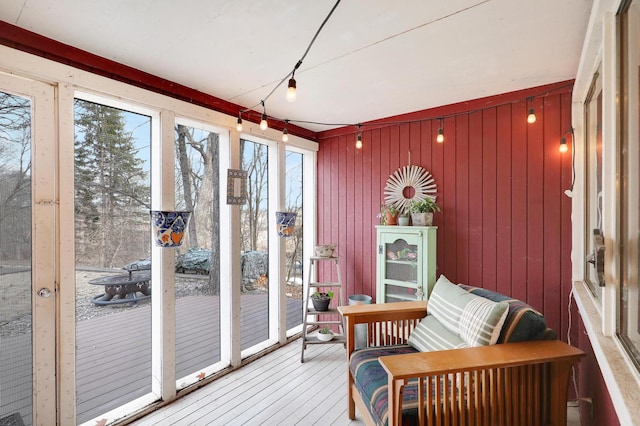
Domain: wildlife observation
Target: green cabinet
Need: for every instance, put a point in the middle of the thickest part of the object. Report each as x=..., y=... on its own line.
x=406, y=263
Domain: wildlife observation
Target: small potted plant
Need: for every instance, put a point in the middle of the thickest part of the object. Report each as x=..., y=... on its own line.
x=388, y=214
x=403, y=218
x=422, y=211
x=325, y=334
x=321, y=300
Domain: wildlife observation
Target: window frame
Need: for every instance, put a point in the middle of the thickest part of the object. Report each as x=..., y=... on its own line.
x=629, y=63
x=599, y=316
x=69, y=82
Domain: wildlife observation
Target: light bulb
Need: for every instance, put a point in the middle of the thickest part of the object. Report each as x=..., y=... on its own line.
x=531, y=118
x=239, y=125
x=285, y=135
x=263, y=122
x=359, y=141
x=291, y=91
x=563, y=145
x=440, y=137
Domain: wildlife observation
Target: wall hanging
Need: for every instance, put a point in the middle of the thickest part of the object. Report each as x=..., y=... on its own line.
x=236, y=186
x=409, y=184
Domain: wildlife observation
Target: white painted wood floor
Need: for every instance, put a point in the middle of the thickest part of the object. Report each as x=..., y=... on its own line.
x=275, y=390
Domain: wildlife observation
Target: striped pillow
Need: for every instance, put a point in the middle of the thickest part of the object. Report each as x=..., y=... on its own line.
x=447, y=302
x=481, y=321
x=430, y=335
x=475, y=319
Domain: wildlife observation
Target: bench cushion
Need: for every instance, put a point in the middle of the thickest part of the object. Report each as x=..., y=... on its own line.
x=370, y=379
x=522, y=323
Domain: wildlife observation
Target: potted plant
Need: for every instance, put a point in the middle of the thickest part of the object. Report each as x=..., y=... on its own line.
x=321, y=300
x=403, y=219
x=422, y=211
x=325, y=334
x=388, y=214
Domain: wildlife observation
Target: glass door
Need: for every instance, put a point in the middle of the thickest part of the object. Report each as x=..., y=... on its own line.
x=294, y=184
x=112, y=191
x=27, y=258
x=254, y=316
x=400, y=260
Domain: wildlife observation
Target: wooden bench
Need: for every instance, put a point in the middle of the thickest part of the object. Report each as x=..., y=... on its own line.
x=523, y=383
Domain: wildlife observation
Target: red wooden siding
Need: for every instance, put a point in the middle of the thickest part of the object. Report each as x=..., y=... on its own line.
x=505, y=223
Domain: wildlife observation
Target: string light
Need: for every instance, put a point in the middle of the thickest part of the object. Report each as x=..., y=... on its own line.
x=563, y=145
x=291, y=96
x=531, y=117
x=440, y=137
x=263, y=120
x=291, y=90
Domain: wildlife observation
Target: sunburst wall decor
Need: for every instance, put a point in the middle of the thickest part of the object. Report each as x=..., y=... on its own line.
x=405, y=177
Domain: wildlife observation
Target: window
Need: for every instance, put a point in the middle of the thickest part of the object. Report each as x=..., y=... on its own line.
x=629, y=303
x=593, y=126
x=197, y=261
x=112, y=196
x=294, y=275
x=15, y=257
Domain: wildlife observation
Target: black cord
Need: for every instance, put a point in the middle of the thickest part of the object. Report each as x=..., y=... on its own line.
x=573, y=159
x=292, y=72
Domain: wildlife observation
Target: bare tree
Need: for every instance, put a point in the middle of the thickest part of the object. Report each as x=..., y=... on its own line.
x=185, y=174
x=255, y=163
x=15, y=177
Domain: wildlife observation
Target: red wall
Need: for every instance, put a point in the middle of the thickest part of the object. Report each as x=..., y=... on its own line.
x=505, y=223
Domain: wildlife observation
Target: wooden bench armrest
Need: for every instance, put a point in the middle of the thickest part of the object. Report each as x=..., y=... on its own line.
x=384, y=311
x=560, y=356
x=384, y=323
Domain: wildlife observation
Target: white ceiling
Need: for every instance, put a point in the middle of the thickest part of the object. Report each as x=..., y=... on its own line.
x=373, y=58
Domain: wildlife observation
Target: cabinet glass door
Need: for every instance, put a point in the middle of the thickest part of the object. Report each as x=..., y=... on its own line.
x=401, y=268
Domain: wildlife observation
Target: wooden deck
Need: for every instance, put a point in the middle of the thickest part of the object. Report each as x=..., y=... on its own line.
x=114, y=352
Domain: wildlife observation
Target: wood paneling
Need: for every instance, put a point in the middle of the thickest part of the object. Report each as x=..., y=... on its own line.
x=505, y=223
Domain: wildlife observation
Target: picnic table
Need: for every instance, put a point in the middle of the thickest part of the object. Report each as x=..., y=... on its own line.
x=124, y=288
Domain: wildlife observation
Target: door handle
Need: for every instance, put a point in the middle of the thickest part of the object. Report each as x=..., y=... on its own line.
x=44, y=292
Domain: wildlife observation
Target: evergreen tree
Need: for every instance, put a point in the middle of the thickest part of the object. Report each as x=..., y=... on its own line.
x=112, y=193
